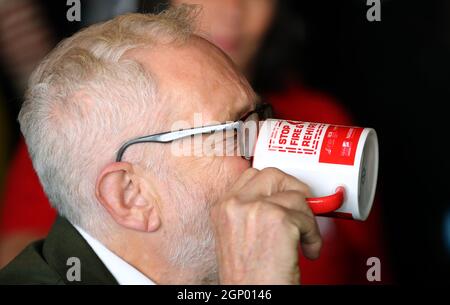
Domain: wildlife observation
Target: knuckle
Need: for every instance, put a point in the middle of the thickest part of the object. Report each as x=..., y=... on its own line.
x=303, y=203
x=307, y=191
x=263, y=211
x=287, y=224
x=303, y=188
x=252, y=171
x=300, y=196
x=272, y=171
x=226, y=208
x=292, y=228
x=257, y=207
x=277, y=216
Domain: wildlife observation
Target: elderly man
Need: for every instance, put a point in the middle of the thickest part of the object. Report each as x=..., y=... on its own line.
x=131, y=210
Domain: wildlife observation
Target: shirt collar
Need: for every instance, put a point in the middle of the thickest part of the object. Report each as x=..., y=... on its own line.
x=124, y=273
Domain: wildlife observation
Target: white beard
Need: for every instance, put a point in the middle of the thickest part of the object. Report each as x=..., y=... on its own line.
x=192, y=245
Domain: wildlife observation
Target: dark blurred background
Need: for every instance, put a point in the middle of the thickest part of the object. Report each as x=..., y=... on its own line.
x=393, y=75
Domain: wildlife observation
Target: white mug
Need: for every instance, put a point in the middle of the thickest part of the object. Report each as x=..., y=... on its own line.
x=339, y=163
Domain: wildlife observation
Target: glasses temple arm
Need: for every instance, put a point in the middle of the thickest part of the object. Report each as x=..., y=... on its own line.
x=167, y=137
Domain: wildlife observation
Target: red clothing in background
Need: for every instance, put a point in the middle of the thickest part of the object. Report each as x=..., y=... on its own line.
x=347, y=244
x=25, y=208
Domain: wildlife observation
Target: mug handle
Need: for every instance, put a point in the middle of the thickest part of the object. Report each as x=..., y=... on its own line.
x=327, y=204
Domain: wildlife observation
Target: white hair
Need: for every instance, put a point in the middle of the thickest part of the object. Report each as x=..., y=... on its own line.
x=85, y=99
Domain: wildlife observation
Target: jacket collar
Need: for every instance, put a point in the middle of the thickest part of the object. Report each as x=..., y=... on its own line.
x=64, y=242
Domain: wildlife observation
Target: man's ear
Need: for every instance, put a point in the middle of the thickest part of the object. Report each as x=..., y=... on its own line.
x=122, y=192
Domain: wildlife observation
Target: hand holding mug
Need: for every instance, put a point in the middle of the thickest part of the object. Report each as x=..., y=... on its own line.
x=258, y=226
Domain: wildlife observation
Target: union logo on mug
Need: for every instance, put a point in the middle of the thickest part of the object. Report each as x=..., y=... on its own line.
x=339, y=163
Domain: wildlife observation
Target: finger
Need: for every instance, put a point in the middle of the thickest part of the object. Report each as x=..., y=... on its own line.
x=246, y=176
x=270, y=181
x=292, y=200
x=310, y=238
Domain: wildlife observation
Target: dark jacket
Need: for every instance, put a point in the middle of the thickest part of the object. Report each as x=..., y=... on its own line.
x=49, y=261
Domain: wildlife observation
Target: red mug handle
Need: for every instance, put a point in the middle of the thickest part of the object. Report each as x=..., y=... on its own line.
x=327, y=204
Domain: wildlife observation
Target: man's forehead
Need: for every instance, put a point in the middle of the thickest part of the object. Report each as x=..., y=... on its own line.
x=199, y=77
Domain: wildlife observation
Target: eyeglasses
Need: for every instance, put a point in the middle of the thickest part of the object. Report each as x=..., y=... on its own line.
x=246, y=129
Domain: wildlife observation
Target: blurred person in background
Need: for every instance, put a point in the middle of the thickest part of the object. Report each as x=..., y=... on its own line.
x=263, y=37
x=25, y=38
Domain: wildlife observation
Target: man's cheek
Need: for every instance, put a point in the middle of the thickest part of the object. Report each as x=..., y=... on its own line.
x=236, y=165
x=245, y=164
